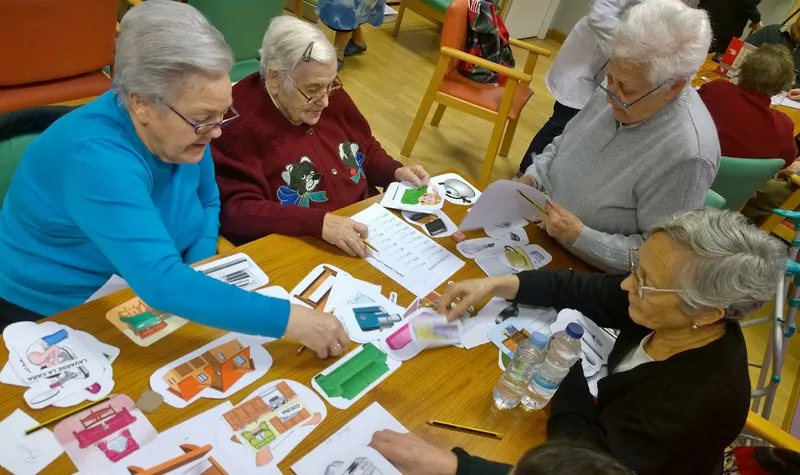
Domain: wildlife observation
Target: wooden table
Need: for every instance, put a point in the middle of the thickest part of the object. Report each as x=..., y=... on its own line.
x=449, y=384
x=708, y=70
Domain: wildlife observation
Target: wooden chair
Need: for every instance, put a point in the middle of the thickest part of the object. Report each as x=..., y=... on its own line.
x=771, y=433
x=498, y=105
x=432, y=10
x=780, y=225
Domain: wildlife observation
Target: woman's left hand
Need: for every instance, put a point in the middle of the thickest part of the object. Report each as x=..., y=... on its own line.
x=415, y=174
x=413, y=456
x=560, y=223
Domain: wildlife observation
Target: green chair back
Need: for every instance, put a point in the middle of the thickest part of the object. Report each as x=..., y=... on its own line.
x=738, y=178
x=714, y=200
x=242, y=23
x=17, y=130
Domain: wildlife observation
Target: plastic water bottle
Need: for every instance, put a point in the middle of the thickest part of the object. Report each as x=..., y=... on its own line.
x=530, y=354
x=562, y=352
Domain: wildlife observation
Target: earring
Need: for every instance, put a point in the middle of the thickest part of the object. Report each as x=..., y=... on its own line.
x=695, y=326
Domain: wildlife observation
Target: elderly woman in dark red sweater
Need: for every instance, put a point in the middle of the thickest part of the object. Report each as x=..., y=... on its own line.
x=300, y=148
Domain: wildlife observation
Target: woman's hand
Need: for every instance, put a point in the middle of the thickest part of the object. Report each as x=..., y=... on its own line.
x=346, y=234
x=526, y=180
x=415, y=174
x=459, y=297
x=791, y=169
x=560, y=223
x=413, y=456
x=321, y=332
x=794, y=94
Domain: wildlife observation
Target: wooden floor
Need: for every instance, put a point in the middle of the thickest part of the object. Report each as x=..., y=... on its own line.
x=388, y=82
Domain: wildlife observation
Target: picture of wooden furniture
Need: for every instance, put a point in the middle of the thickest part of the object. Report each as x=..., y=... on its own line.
x=305, y=295
x=499, y=104
x=218, y=368
x=192, y=453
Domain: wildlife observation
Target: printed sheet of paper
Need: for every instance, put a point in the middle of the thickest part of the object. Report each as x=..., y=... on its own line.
x=353, y=436
x=23, y=454
x=406, y=255
x=501, y=202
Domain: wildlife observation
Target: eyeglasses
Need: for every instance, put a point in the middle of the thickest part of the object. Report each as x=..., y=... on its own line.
x=206, y=127
x=332, y=87
x=614, y=97
x=633, y=262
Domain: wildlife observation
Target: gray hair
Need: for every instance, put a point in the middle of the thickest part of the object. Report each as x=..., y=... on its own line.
x=289, y=40
x=733, y=265
x=667, y=37
x=160, y=42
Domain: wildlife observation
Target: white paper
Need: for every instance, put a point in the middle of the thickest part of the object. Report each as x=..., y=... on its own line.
x=782, y=99
x=352, y=436
x=494, y=266
x=206, y=372
x=287, y=409
x=501, y=202
x=347, y=290
x=456, y=189
x=426, y=201
x=595, y=343
x=410, y=258
x=23, y=454
x=239, y=270
x=502, y=230
x=449, y=226
x=341, y=402
x=112, y=285
x=363, y=460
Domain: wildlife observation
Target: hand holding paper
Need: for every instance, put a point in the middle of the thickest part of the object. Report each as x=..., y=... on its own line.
x=503, y=201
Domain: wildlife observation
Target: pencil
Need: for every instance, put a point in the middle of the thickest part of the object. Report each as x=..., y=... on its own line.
x=470, y=430
x=532, y=202
x=370, y=245
x=68, y=413
x=303, y=347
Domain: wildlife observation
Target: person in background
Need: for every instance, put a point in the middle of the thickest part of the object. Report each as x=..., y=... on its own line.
x=345, y=18
x=554, y=457
x=300, y=148
x=747, y=126
x=570, y=78
x=788, y=36
x=125, y=185
x=678, y=389
x=643, y=148
x=729, y=18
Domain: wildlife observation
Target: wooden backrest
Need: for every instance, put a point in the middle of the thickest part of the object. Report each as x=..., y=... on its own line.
x=454, y=31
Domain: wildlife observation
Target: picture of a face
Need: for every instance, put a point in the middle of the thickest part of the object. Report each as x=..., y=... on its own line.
x=429, y=199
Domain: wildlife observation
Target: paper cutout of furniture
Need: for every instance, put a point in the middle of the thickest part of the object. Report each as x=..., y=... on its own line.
x=101, y=423
x=143, y=320
x=305, y=295
x=192, y=453
x=253, y=409
x=354, y=376
x=218, y=368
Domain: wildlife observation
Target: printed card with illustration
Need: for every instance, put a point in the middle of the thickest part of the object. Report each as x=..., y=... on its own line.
x=456, y=189
x=239, y=270
x=216, y=371
x=522, y=258
x=346, y=290
x=494, y=266
x=436, y=224
x=143, y=324
x=55, y=363
x=315, y=288
x=404, y=196
x=349, y=379
x=423, y=329
x=508, y=335
x=361, y=460
x=101, y=437
x=515, y=227
x=270, y=422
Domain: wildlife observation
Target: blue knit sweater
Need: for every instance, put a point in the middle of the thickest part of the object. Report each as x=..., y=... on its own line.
x=89, y=200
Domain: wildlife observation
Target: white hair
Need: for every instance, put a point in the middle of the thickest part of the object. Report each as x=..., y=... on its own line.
x=160, y=42
x=732, y=264
x=288, y=40
x=667, y=37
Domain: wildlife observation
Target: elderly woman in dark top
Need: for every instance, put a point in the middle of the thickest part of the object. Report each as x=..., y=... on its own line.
x=678, y=388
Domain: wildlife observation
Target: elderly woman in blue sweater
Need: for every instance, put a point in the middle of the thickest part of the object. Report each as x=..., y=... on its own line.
x=125, y=185
x=644, y=146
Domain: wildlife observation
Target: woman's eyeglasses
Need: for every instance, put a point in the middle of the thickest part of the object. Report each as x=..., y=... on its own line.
x=633, y=262
x=206, y=127
x=614, y=97
x=334, y=86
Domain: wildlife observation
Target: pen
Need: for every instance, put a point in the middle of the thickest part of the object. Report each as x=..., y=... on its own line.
x=67, y=414
x=532, y=202
x=470, y=430
x=303, y=347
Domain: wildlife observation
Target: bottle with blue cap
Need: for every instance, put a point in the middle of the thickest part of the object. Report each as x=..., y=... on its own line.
x=529, y=355
x=562, y=352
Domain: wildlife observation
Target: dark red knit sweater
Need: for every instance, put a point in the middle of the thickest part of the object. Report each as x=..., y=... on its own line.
x=276, y=177
x=747, y=126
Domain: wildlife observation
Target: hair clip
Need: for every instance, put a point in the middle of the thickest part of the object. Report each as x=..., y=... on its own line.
x=307, y=52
